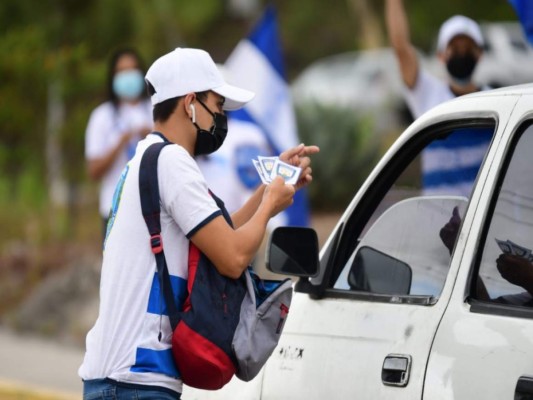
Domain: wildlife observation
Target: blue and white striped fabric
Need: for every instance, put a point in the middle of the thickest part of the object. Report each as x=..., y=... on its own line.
x=524, y=10
x=257, y=64
x=450, y=166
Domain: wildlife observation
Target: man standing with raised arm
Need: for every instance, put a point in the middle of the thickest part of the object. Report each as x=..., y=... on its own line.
x=452, y=167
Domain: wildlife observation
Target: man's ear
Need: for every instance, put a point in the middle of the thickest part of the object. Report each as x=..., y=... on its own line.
x=188, y=104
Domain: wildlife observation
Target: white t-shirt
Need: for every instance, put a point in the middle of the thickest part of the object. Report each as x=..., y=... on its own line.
x=428, y=92
x=104, y=130
x=124, y=343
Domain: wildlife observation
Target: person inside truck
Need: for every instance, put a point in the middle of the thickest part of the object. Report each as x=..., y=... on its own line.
x=514, y=269
x=518, y=271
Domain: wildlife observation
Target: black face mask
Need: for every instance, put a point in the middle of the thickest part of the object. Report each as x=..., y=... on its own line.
x=210, y=141
x=461, y=67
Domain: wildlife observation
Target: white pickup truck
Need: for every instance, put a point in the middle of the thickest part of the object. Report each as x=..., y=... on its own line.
x=387, y=310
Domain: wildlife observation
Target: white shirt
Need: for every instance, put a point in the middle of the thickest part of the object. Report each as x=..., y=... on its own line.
x=104, y=130
x=428, y=92
x=123, y=344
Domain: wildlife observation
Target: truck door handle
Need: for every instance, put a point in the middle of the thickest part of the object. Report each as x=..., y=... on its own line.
x=395, y=371
x=524, y=388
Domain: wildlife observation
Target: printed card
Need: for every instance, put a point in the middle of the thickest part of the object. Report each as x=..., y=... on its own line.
x=257, y=166
x=504, y=246
x=267, y=165
x=518, y=250
x=510, y=247
x=289, y=173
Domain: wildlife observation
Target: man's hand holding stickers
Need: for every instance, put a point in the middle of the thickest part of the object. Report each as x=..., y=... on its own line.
x=286, y=174
x=292, y=165
x=515, y=264
x=510, y=247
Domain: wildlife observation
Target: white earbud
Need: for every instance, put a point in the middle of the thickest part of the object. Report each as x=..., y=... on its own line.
x=193, y=111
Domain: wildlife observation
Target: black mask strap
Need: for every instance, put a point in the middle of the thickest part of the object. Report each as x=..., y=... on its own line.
x=207, y=108
x=210, y=112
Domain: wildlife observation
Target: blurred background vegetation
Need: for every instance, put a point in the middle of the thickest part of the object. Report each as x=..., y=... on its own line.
x=53, y=63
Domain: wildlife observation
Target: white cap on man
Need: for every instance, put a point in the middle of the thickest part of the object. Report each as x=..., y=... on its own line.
x=184, y=71
x=459, y=25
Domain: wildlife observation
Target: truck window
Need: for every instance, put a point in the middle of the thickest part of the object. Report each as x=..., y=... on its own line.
x=506, y=264
x=405, y=245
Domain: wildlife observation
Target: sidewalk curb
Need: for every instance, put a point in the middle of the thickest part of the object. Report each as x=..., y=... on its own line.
x=23, y=391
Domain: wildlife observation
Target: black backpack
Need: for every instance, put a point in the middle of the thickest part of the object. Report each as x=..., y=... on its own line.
x=227, y=326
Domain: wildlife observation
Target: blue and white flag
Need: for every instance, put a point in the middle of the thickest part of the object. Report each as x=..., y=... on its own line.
x=524, y=10
x=264, y=127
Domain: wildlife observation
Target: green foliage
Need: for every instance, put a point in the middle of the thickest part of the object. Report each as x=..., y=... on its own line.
x=349, y=150
x=313, y=30
x=22, y=99
x=425, y=18
x=23, y=202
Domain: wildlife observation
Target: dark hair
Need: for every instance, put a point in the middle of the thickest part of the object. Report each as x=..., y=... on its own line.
x=162, y=111
x=113, y=61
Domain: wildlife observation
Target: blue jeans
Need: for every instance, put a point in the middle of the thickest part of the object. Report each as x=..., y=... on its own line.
x=107, y=389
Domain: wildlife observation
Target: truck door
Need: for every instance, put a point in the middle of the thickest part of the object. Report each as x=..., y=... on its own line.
x=484, y=345
x=363, y=329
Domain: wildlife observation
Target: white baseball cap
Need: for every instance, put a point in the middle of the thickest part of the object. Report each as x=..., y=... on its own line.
x=184, y=71
x=459, y=25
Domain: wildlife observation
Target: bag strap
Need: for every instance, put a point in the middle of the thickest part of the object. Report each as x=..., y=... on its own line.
x=151, y=209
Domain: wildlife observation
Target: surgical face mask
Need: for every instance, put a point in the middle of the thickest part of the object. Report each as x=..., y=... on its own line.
x=210, y=141
x=128, y=85
x=461, y=67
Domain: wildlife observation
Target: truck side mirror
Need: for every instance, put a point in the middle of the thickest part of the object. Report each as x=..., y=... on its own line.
x=377, y=272
x=293, y=251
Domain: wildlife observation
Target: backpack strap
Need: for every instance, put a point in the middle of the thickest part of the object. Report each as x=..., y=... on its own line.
x=151, y=209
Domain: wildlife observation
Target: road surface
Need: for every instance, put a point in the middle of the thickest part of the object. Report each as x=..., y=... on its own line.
x=36, y=365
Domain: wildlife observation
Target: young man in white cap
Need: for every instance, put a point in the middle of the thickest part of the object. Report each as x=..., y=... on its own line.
x=460, y=46
x=129, y=348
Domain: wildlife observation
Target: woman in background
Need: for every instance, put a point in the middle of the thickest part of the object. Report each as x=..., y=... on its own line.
x=117, y=125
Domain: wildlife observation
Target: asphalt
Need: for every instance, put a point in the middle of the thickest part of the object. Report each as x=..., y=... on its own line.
x=35, y=368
